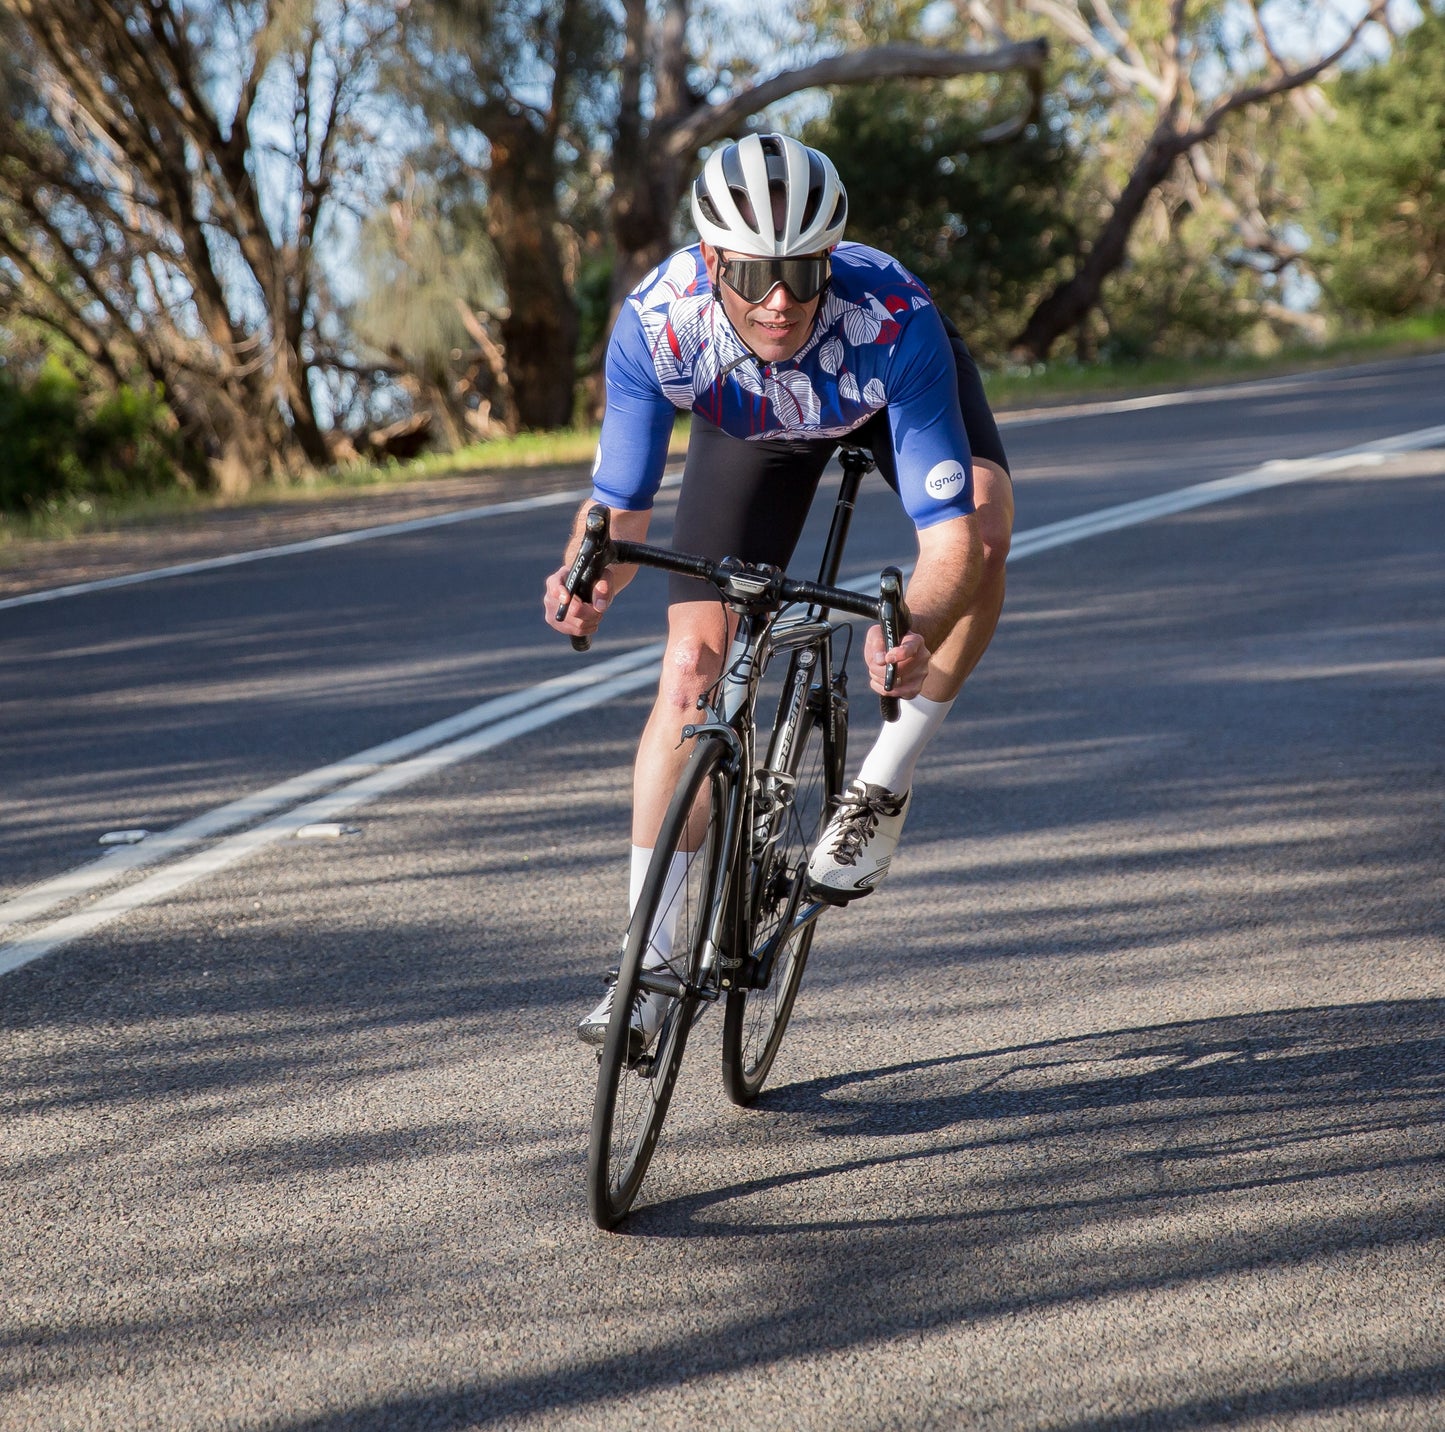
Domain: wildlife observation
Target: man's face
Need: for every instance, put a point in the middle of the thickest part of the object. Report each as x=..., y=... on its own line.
x=774, y=328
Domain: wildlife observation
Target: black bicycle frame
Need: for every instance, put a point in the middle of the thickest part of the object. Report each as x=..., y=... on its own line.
x=728, y=943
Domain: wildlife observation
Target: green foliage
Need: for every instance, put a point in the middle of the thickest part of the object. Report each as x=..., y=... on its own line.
x=1376, y=171
x=1171, y=299
x=419, y=257
x=980, y=225
x=593, y=292
x=60, y=444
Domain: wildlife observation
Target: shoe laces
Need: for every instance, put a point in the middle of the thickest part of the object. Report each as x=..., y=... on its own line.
x=640, y=997
x=857, y=820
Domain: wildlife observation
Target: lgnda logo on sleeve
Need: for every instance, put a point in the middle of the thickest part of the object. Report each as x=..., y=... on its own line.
x=945, y=479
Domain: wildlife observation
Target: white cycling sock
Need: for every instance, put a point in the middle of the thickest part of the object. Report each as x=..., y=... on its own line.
x=659, y=947
x=900, y=743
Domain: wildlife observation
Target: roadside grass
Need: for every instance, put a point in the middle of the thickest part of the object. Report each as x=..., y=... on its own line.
x=1007, y=390
x=1062, y=382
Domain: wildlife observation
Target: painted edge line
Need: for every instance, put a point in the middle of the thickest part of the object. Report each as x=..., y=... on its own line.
x=311, y=544
x=327, y=807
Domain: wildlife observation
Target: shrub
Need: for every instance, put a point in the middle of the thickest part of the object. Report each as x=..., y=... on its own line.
x=56, y=444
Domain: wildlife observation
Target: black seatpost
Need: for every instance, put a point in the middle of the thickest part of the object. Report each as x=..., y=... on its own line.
x=856, y=464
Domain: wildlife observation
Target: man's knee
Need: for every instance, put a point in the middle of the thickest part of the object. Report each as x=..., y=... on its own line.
x=691, y=663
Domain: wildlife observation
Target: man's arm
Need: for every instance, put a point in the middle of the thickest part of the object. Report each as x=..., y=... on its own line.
x=582, y=618
x=940, y=593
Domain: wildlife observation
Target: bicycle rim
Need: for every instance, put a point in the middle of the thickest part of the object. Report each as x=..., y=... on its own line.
x=757, y=1019
x=633, y=1094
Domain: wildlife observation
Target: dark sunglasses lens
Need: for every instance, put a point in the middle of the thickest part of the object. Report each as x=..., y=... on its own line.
x=755, y=279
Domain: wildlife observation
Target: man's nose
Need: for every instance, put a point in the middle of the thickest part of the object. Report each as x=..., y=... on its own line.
x=780, y=296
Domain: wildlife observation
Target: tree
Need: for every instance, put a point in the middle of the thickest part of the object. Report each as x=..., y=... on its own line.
x=430, y=286
x=169, y=170
x=1375, y=168
x=518, y=87
x=581, y=175
x=1183, y=70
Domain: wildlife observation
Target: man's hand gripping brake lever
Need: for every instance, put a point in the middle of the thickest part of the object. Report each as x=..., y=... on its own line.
x=893, y=618
x=593, y=558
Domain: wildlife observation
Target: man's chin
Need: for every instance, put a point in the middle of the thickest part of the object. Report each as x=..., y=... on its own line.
x=776, y=348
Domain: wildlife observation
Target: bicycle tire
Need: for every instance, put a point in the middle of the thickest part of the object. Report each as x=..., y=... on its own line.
x=633, y=1095
x=756, y=1019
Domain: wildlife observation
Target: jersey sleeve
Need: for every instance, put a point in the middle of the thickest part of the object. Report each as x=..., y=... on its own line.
x=930, y=443
x=637, y=422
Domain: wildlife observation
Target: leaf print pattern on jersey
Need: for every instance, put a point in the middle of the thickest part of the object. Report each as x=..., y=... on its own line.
x=663, y=287
x=793, y=399
x=876, y=344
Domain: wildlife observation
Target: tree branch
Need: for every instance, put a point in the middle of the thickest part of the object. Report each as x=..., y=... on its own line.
x=881, y=62
x=1127, y=74
x=1282, y=82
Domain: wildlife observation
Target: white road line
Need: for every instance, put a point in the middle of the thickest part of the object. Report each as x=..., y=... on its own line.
x=311, y=544
x=1271, y=474
x=339, y=802
x=109, y=868
x=381, y=769
x=292, y=549
x=1252, y=388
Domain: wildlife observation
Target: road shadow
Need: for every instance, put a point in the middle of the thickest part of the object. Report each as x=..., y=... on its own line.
x=1050, y=1176
x=1284, y=1079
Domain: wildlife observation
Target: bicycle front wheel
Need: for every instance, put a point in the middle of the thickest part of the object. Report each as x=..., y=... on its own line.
x=756, y=1019
x=634, y=1088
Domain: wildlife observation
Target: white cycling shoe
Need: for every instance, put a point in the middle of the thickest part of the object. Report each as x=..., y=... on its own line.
x=648, y=1009
x=854, y=853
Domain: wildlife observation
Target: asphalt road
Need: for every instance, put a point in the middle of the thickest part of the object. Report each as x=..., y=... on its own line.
x=1119, y=1107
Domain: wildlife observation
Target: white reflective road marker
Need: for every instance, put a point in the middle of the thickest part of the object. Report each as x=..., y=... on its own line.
x=389, y=767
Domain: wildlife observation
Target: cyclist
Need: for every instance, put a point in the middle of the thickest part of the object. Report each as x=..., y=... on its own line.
x=782, y=339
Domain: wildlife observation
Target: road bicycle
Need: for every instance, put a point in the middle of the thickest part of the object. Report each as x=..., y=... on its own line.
x=742, y=823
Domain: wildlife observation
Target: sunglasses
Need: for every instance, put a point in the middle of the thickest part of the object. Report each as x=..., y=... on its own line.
x=754, y=279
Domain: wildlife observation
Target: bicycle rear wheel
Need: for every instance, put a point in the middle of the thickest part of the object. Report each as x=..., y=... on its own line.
x=757, y=1019
x=634, y=1090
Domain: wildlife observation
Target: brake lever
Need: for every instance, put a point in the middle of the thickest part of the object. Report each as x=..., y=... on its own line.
x=592, y=559
x=893, y=618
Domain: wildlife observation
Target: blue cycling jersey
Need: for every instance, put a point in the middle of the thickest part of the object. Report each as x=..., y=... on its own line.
x=877, y=342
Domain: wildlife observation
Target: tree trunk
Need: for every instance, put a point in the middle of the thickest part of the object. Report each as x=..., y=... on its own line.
x=1070, y=302
x=539, y=331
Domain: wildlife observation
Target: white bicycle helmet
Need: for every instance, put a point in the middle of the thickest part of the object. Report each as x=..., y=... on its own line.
x=732, y=203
